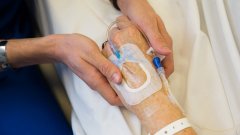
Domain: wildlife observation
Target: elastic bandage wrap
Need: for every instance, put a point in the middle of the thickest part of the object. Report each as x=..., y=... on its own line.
x=132, y=60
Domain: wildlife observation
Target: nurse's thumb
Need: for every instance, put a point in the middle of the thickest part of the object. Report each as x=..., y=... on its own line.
x=157, y=40
x=159, y=44
x=109, y=70
x=106, y=67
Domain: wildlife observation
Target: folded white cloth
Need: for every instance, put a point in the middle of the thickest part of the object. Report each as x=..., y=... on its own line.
x=206, y=53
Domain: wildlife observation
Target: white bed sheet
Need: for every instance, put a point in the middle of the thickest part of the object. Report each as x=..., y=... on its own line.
x=206, y=77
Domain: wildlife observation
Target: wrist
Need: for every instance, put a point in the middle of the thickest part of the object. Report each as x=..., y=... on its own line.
x=55, y=45
x=64, y=45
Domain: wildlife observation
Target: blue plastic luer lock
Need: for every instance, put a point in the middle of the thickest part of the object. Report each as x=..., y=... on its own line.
x=157, y=62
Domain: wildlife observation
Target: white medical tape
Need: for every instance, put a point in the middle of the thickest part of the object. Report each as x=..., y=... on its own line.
x=174, y=127
x=145, y=84
x=131, y=53
x=151, y=51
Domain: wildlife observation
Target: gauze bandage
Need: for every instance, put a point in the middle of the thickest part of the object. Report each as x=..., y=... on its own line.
x=151, y=83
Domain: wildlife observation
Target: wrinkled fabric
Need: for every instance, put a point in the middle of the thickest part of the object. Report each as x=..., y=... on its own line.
x=206, y=56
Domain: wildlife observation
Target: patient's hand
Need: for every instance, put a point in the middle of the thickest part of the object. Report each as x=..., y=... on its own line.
x=133, y=74
x=142, y=14
x=126, y=32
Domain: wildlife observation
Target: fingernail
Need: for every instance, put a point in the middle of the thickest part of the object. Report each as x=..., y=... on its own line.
x=115, y=78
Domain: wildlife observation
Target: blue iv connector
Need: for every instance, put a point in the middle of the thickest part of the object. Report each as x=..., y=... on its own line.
x=158, y=65
x=114, y=49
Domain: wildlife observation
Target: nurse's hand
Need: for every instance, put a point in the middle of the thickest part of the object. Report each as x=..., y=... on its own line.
x=78, y=52
x=84, y=58
x=142, y=14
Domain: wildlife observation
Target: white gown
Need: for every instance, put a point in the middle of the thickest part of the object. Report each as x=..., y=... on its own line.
x=206, y=39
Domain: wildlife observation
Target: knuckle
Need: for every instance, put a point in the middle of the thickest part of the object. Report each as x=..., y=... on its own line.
x=113, y=101
x=158, y=37
x=121, y=18
x=115, y=37
x=94, y=84
x=93, y=79
x=93, y=73
x=132, y=31
x=105, y=69
x=97, y=82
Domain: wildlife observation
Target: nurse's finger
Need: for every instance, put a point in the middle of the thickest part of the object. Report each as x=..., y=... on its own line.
x=168, y=65
x=106, y=67
x=96, y=81
x=164, y=33
x=157, y=41
x=168, y=62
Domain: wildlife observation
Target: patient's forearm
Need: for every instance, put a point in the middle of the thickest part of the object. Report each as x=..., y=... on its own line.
x=157, y=111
